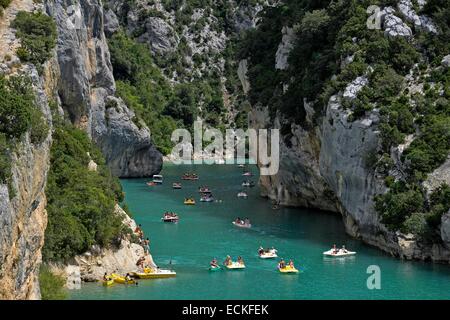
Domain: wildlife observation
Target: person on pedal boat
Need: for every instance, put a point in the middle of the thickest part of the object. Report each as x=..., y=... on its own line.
x=105, y=277
x=261, y=250
x=343, y=249
x=227, y=261
x=291, y=263
x=214, y=263
x=282, y=264
x=335, y=250
x=240, y=260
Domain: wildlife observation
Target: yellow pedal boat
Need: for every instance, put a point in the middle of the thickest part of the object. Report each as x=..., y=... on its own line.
x=154, y=274
x=119, y=279
x=189, y=202
x=108, y=282
x=288, y=269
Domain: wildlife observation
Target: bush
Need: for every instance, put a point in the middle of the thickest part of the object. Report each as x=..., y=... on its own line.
x=51, y=285
x=37, y=33
x=398, y=204
x=415, y=224
x=431, y=148
x=16, y=106
x=5, y=3
x=80, y=202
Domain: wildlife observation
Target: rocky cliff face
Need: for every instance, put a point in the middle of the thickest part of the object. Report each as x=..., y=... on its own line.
x=23, y=217
x=78, y=78
x=326, y=165
x=87, y=87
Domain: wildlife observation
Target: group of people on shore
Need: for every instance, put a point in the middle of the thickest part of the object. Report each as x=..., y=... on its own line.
x=144, y=242
x=142, y=262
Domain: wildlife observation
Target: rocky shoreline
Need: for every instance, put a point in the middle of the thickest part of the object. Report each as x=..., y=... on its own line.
x=94, y=263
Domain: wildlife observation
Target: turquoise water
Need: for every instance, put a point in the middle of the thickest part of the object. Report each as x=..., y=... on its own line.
x=205, y=231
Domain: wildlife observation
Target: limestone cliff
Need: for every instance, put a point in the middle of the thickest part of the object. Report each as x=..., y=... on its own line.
x=78, y=80
x=87, y=87
x=23, y=217
x=325, y=162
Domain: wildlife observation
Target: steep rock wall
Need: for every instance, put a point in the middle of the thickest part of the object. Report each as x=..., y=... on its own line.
x=87, y=82
x=23, y=217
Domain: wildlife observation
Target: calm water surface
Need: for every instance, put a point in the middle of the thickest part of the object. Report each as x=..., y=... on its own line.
x=205, y=231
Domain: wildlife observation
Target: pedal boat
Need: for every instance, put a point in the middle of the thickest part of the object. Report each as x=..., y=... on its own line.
x=288, y=269
x=154, y=274
x=271, y=254
x=235, y=266
x=214, y=269
x=240, y=225
x=189, y=202
x=119, y=279
x=242, y=195
x=170, y=219
x=108, y=282
x=339, y=253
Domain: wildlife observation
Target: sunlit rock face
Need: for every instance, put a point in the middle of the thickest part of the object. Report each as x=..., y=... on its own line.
x=87, y=84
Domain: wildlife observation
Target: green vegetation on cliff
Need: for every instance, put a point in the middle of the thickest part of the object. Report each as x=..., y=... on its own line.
x=37, y=33
x=18, y=114
x=80, y=202
x=331, y=48
x=161, y=105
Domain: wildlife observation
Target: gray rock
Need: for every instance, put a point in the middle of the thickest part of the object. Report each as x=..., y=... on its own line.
x=127, y=148
x=298, y=182
x=445, y=229
x=245, y=17
x=284, y=48
x=394, y=26
x=343, y=152
x=352, y=89
x=159, y=35
x=446, y=61
x=83, y=57
x=111, y=23
x=23, y=218
x=242, y=75
x=87, y=81
x=438, y=177
x=420, y=22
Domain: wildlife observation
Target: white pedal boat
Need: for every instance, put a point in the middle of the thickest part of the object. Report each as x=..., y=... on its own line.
x=242, y=195
x=339, y=253
x=269, y=254
x=242, y=225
